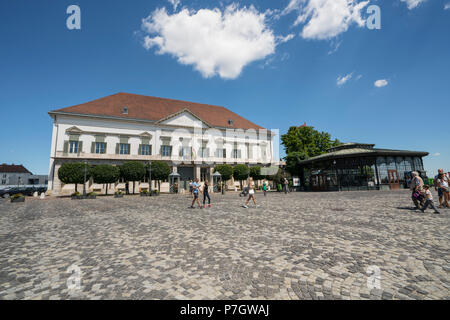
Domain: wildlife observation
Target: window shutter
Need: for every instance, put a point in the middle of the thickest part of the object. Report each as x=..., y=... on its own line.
x=180, y=152
x=80, y=146
x=117, y=148
x=66, y=147
x=106, y=145
x=129, y=149
x=140, y=149
x=93, y=147
x=150, y=149
x=224, y=153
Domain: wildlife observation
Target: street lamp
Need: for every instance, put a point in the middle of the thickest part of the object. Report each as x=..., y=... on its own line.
x=150, y=177
x=84, y=184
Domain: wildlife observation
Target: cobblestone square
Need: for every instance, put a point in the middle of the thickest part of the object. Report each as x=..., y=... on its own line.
x=348, y=245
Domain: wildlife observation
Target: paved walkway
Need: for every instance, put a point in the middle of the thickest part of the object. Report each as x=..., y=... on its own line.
x=350, y=245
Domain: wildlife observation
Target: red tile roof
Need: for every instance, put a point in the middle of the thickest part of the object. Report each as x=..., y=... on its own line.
x=13, y=168
x=152, y=108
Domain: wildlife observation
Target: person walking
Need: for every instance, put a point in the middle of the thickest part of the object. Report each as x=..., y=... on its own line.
x=429, y=201
x=443, y=184
x=417, y=189
x=265, y=188
x=286, y=185
x=438, y=188
x=206, y=194
x=190, y=187
x=251, y=193
x=195, y=192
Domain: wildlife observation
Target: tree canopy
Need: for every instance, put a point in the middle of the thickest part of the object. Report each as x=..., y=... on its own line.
x=105, y=173
x=302, y=143
x=225, y=170
x=73, y=173
x=160, y=170
x=255, y=173
x=132, y=171
x=241, y=172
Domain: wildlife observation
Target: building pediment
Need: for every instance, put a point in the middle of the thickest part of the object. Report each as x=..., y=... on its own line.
x=184, y=118
x=74, y=130
x=145, y=135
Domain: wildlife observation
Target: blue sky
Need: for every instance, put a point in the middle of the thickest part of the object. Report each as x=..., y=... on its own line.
x=286, y=75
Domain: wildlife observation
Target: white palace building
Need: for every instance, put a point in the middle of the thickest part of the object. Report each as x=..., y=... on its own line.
x=191, y=137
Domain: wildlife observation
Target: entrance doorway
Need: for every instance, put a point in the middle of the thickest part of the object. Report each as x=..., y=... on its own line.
x=204, y=174
x=319, y=182
x=394, y=182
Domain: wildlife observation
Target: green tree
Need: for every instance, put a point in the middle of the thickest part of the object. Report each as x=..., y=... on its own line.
x=225, y=170
x=240, y=173
x=255, y=173
x=302, y=143
x=73, y=173
x=160, y=172
x=105, y=174
x=132, y=171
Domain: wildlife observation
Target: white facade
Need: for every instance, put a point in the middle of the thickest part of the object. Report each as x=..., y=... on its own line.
x=194, y=144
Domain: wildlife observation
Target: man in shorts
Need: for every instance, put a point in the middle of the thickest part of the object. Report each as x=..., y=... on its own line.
x=195, y=192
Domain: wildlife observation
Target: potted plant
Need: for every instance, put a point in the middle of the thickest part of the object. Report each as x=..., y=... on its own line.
x=118, y=194
x=18, y=198
x=91, y=195
x=144, y=193
x=155, y=192
x=76, y=196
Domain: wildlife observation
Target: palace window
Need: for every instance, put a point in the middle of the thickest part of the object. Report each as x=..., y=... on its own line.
x=74, y=146
x=166, y=151
x=204, y=152
x=221, y=153
x=185, y=151
x=100, y=147
x=124, y=148
x=146, y=150
x=236, y=154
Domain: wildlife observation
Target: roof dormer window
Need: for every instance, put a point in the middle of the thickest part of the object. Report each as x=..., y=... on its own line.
x=125, y=110
x=230, y=122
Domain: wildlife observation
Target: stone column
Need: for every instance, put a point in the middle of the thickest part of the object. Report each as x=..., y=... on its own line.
x=197, y=172
x=56, y=185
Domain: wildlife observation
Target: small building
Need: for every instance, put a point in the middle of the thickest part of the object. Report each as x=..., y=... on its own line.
x=359, y=166
x=14, y=175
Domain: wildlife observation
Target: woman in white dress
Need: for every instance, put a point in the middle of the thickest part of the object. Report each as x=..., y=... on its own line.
x=251, y=193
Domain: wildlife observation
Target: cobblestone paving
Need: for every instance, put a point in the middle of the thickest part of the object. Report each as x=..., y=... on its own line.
x=295, y=246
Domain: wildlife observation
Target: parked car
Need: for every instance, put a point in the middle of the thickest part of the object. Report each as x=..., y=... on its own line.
x=25, y=190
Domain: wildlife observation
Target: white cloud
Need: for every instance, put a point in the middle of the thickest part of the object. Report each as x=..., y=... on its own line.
x=447, y=6
x=175, y=3
x=326, y=19
x=412, y=3
x=213, y=41
x=437, y=154
x=381, y=83
x=359, y=77
x=342, y=80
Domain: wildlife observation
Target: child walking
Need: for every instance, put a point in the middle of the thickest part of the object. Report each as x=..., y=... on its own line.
x=429, y=200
